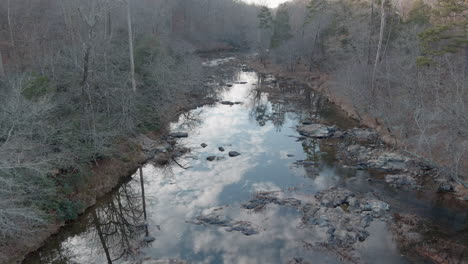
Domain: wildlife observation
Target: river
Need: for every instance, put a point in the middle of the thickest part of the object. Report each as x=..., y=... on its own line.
x=157, y=213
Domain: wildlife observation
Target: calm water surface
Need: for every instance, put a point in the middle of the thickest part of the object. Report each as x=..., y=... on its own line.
x=116, y=228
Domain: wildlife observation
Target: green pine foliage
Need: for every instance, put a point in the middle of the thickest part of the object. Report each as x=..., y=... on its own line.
x=281, y=28
x=448, y=33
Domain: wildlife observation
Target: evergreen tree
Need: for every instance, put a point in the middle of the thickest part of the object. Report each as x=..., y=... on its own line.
x=449, y=33
x=265, y=18
x=281, y=28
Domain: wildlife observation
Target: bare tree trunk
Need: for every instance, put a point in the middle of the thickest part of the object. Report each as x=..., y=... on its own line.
x=2, y=69
x=130, y=42
x=369, y=41
x=379, y=46
x=10, y=29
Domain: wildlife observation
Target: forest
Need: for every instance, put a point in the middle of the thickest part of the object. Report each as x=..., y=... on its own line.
x=80, y=78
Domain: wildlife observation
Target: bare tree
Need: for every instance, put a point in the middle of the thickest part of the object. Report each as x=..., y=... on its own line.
x=2, y=68
x=130, y=46
x=379, y=45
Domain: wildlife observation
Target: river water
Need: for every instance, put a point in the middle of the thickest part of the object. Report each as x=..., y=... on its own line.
x=154, y=214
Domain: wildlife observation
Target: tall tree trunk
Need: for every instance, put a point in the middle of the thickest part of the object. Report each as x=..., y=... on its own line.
x=369, y=41
x=10, y=29
x=2, y=69
x=12, y=40
x=130, y=45
x=379, y=46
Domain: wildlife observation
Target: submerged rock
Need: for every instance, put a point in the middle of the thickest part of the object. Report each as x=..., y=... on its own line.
x=226, y=103
x=233, y=153
x=211, y=158
x=316, y=130
x=178, y=134
x=244, y=227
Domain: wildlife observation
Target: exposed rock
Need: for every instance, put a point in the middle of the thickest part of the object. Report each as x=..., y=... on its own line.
x=211, y=158
x=389, y=161
x=216, y=219
x=401, y=180
x=226, y=103
x=229, y=84
x=261, y=199
x=178, y=134
x=361, y=135
x=298, y=260
x=204, y=145
x=149, y=239
x=233, y=153
x=446, y=187
x=316, y=130
x=305, y=162
x=290, y=155
x=336, y=213
x=221, y=149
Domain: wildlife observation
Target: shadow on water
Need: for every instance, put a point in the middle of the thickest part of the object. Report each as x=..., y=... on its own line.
x=152, y=216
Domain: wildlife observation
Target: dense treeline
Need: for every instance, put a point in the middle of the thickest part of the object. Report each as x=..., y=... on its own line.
x=404, y=63
x=77, y=76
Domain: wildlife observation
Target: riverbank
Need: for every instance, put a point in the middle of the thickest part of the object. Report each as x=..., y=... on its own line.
x=321, y=82
x=373, y=147
x=307, y=182
x=109, y=173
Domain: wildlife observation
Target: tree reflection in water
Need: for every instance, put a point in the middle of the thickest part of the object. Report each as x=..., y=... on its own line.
x=121, y=225
x=263, y=110
x=116, y=229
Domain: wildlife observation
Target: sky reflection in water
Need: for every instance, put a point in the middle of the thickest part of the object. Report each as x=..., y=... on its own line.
x=174, y=196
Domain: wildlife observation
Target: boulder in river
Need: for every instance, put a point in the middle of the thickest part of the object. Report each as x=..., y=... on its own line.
x=226, y=103
x=149, y=239
x=203, y=145
x=316, y=130
x=221, y=149
x=211, y=158
x=337, y=214
x=233, y=153
x=178, y=134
